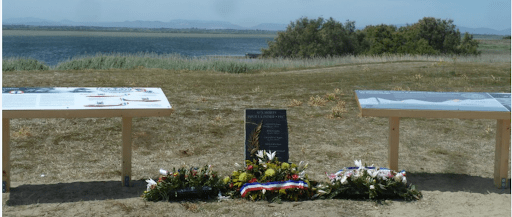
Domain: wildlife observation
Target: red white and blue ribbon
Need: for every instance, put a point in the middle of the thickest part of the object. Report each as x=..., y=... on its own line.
x=270, y=186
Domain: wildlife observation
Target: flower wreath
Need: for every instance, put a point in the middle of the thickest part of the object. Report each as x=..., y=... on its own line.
x=183, y=183
x=269, y=179
x=369, y=182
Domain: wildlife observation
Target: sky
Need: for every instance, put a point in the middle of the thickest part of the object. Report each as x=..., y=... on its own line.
x=494, y=14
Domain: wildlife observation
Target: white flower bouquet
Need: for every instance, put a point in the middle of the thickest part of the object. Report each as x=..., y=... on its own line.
x=361, y=182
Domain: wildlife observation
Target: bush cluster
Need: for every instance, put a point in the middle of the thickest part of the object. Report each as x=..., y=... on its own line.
x=23, y=65
x=307, y=38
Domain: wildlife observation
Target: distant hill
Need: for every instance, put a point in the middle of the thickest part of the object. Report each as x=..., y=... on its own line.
x=177, y=24
x=29, y=21
x=476, y=31
x=484, y=31
x=271, y=26
x=199, y=24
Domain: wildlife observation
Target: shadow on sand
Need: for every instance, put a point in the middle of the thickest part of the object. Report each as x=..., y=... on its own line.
x=450, y=182
x=74, y=192
x=105, y=190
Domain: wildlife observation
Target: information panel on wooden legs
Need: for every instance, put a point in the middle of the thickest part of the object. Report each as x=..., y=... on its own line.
x=81, y=102
x=421, y=104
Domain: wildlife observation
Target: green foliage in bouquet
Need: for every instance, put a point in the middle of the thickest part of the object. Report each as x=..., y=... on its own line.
x=369, y=183
x=267, y=169
x=184, y=183
x=269, y=179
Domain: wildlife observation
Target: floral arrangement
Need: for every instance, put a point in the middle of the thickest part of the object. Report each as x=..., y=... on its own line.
x=269, y=179
x=183, y=183
x=369, y=182
x=266, y=178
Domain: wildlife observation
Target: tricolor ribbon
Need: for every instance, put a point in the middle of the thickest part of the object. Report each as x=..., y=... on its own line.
x=269, y=186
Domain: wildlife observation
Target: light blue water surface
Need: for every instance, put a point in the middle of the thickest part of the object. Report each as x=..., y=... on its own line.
x=55, y=49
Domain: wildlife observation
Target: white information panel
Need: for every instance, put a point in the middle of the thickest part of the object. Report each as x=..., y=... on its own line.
x=76, y=98
x=419, y=100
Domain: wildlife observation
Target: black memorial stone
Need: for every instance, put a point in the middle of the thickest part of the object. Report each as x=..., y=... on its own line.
x=270, y=129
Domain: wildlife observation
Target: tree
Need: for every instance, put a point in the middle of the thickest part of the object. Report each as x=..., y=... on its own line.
x=308, y=38
x=382, y=39
x=429, y=36
x=340, y=39
x=468, y=45
x=443, y=36
x=408, y=42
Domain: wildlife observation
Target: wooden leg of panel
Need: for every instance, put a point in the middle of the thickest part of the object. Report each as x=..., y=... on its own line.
x=502, y=153
x=394, y=123
x=6, y=155
x=127, y=152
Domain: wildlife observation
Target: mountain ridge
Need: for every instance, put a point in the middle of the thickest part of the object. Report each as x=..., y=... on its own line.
x=200, y=24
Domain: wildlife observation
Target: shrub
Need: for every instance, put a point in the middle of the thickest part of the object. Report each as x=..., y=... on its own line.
x=429, y=36
x=443, y=36
x=23, y=65
x=307, y=38
x=468, y=45
x=382, y=39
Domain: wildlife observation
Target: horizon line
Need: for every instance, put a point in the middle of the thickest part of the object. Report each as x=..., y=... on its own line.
x=220, y=21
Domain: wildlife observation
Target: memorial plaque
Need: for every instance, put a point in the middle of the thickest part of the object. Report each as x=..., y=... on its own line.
x=267, y=130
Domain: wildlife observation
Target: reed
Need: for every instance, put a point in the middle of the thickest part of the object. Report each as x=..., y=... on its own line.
x=22, y=64
x=228, y=64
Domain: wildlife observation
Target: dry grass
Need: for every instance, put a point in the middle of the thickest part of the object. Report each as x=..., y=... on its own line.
x=207, y=128
x=317, y=101
x=338, y=110
x=294, y=103
x=192, y=207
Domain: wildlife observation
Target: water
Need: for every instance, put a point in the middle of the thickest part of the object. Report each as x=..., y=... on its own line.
x=55, y=49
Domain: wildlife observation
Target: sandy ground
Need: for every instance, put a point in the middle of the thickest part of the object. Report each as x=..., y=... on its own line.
x=444, y=195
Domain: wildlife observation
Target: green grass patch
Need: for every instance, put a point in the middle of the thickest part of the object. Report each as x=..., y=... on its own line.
x=487, y=37
x=501, y=46
x=21, y=64
x=139, y=61
x=231, y=64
